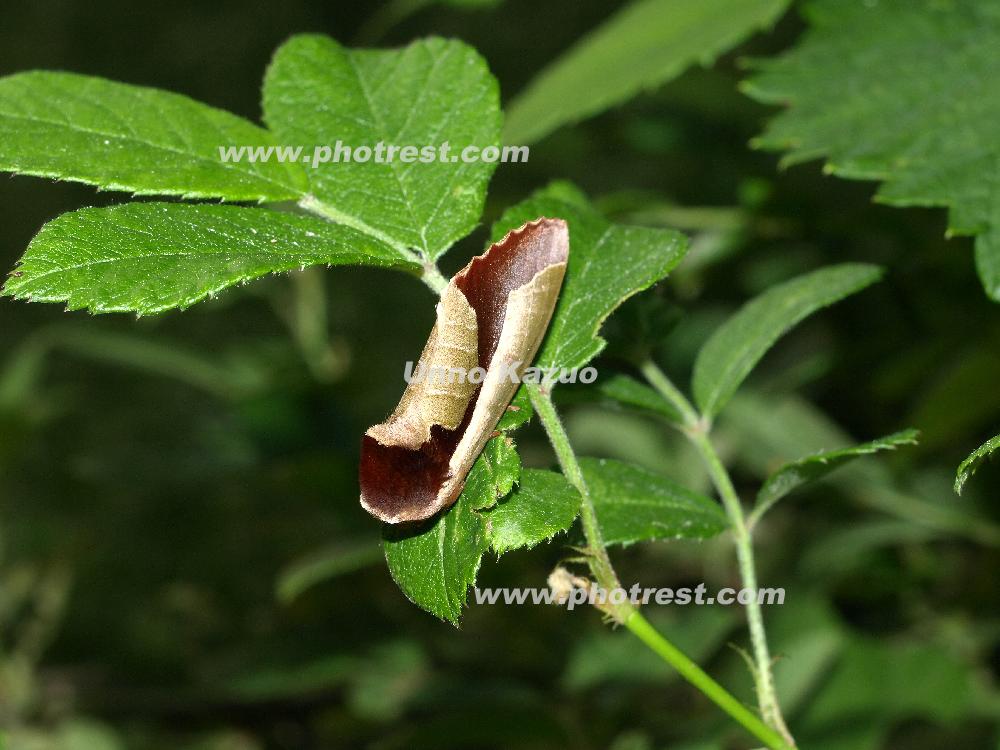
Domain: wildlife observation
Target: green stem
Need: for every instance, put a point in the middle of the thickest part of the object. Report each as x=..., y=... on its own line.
x=600, y=563
x=626, y=613
x=694, y=674
x=433, y=278
x=696, y=429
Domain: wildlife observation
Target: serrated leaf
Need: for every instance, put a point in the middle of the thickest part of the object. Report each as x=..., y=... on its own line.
x=543, y=505
x=499, y=469
x=968, y=467
x=434, y=563
x=608, y=263
x=793, y=475
x=628, y=391
x=642, y=46
x=141, y=140
x=433, y=91
x=634, y=504
x=150, y=257
x=519, y=412
x=738, y=344
x=904, y=92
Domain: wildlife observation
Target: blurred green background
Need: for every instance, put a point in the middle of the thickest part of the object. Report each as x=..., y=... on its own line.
x=160, y=477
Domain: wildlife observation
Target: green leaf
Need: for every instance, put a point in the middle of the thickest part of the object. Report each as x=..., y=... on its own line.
x=608, y=263
x=141, y=140
x=434, y=563
x=641, y=47
x=518, y=413
x=904, y=92
x=150, y=257
x=499, y=468
x=543, y=505
x=634, y=504
x=630, y=392
x=793, y=475
x=317, y=93
x=738, y=344
x=969, y=466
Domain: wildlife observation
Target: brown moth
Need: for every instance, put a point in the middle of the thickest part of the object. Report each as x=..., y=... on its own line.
x=493, y=315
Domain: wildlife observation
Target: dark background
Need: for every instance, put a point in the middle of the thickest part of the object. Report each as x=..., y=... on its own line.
x=158, y=476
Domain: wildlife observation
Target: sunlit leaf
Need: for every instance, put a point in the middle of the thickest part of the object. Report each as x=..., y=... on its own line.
x=141, y=140
x=150, y=257
x=318, y=93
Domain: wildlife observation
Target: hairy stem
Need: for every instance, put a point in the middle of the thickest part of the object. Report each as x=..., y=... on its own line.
x=694, y=674
x=696, y=429
x=626, y=613
x=600, y=563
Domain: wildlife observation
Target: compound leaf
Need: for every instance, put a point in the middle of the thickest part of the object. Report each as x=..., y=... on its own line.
x=141, y=140
x=150, y=257
x=793, y=475
x=543, y=505
x=634, y=504
x=318, y=93
x=628, y=391
x=904, y=91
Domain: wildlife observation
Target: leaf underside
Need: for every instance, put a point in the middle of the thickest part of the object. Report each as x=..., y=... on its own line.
x=793, y=475
x=969, y=466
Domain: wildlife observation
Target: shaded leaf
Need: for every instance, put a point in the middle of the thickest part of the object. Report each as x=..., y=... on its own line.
x=630, y=392
x=904, y=92
x=141, y=140
x=608, y=263
x=738, y=344
x=150, y=257
x=329, y=562
x=543, y=505
x=968, y=467
x=634, y=504
x=641, y=47
x=793, y=475
x=433, y=91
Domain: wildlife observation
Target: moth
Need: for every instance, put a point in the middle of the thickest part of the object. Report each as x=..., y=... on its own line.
x=492, y=315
